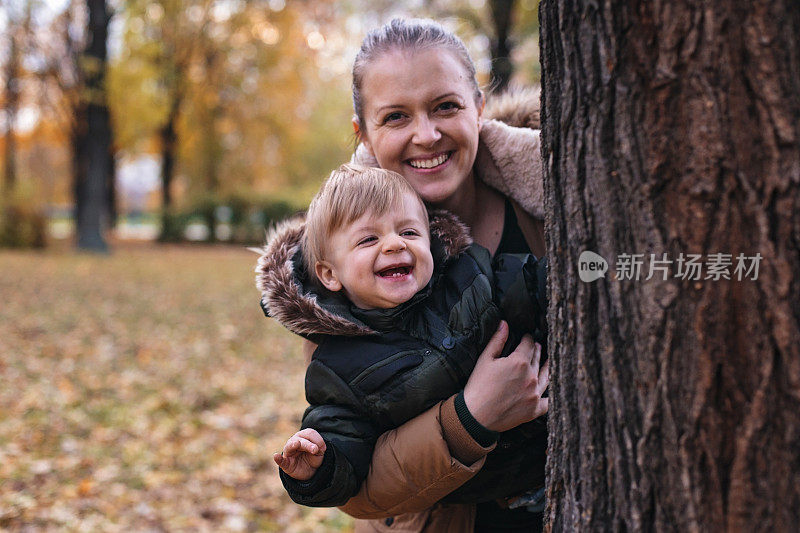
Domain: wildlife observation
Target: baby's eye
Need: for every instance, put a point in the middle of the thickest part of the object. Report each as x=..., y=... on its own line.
x=367, y=240
x=410, y=232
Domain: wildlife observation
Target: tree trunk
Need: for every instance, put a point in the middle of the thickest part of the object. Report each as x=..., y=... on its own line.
x=94, y=136
x=502, y=67
x=212, y=149
x=169, y=147
x=673, y=128
x=11, y=107
x=111, y=186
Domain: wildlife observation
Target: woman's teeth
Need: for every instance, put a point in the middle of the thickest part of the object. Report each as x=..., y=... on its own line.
x=429, y=163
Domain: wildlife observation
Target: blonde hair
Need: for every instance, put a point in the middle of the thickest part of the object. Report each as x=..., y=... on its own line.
x=348, y=193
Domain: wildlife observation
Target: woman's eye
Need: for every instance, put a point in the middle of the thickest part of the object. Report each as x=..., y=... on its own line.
x=449, y=106
x=392, y=117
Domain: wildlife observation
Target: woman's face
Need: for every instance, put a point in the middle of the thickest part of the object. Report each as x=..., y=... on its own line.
x=421, y=120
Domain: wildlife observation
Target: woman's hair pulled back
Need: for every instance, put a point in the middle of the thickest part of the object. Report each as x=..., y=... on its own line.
x=406, y=34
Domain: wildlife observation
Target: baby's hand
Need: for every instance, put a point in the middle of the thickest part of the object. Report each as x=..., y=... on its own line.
x=302, y=454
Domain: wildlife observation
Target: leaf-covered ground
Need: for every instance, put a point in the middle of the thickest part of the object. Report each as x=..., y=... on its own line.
x=145, y=390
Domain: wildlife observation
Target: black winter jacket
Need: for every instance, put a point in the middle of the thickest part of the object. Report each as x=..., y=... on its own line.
x=375, y=369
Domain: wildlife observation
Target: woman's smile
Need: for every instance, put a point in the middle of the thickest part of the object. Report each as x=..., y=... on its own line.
x=430, y=163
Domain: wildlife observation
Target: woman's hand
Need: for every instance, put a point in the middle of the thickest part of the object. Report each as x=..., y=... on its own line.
x=504, y=392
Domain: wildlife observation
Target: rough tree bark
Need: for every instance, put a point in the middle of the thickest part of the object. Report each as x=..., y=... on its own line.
x=673, y=127
x=92, y=140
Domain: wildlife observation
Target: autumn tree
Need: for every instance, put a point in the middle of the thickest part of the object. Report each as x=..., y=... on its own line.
x=234, y=96
x=162, y=38
x=92, y=143
x=73, y=75
x=18, y=24
x=502, y=66
x=510, y=27
x=671, y=129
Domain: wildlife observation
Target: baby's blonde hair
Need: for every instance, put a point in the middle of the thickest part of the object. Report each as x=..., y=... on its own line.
x=348, y=193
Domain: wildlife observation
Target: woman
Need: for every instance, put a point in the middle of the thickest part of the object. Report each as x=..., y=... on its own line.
x=419, y=112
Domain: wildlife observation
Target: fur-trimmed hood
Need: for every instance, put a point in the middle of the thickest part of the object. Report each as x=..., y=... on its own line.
x=509, y=151
x=307, y=310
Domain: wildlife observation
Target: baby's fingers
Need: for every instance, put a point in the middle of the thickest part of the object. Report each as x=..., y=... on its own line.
x=284, y=463
x=313, y=436
x=298, y=445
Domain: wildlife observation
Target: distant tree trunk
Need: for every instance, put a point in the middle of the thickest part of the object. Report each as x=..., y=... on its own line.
x=93, y=136
x=673, y=128
x=12, y=93
x=211, y=116
x=213, y=149
x=169, y=146
x=80, y=161
x=502, y=67
x=111, y=187
x=11, y=108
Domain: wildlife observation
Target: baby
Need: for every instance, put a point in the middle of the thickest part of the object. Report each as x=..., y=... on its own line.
x=401, y=305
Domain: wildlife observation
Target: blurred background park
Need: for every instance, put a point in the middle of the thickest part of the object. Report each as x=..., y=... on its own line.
x=145, y=144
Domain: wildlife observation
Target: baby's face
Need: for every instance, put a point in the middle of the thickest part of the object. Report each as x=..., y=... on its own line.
x=380, y=261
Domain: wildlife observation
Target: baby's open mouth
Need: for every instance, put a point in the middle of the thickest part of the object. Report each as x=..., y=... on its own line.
x=394, y=272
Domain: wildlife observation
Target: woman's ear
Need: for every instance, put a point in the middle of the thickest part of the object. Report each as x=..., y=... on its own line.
x=327, y=276
x=360, y=135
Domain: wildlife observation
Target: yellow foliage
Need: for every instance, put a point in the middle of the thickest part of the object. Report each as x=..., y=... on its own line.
x=253, y=111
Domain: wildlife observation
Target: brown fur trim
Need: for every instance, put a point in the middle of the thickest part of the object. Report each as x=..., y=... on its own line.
x=282, y=295
x=517, y=106
x=449, y=229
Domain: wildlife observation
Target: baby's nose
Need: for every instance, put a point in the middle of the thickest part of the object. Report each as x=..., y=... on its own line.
x=394, y=244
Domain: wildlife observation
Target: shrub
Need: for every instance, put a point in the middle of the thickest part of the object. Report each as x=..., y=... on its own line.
x=22, y=224
x=234, y=218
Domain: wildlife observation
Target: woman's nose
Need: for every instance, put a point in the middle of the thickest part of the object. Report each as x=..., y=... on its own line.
x=426, y=132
